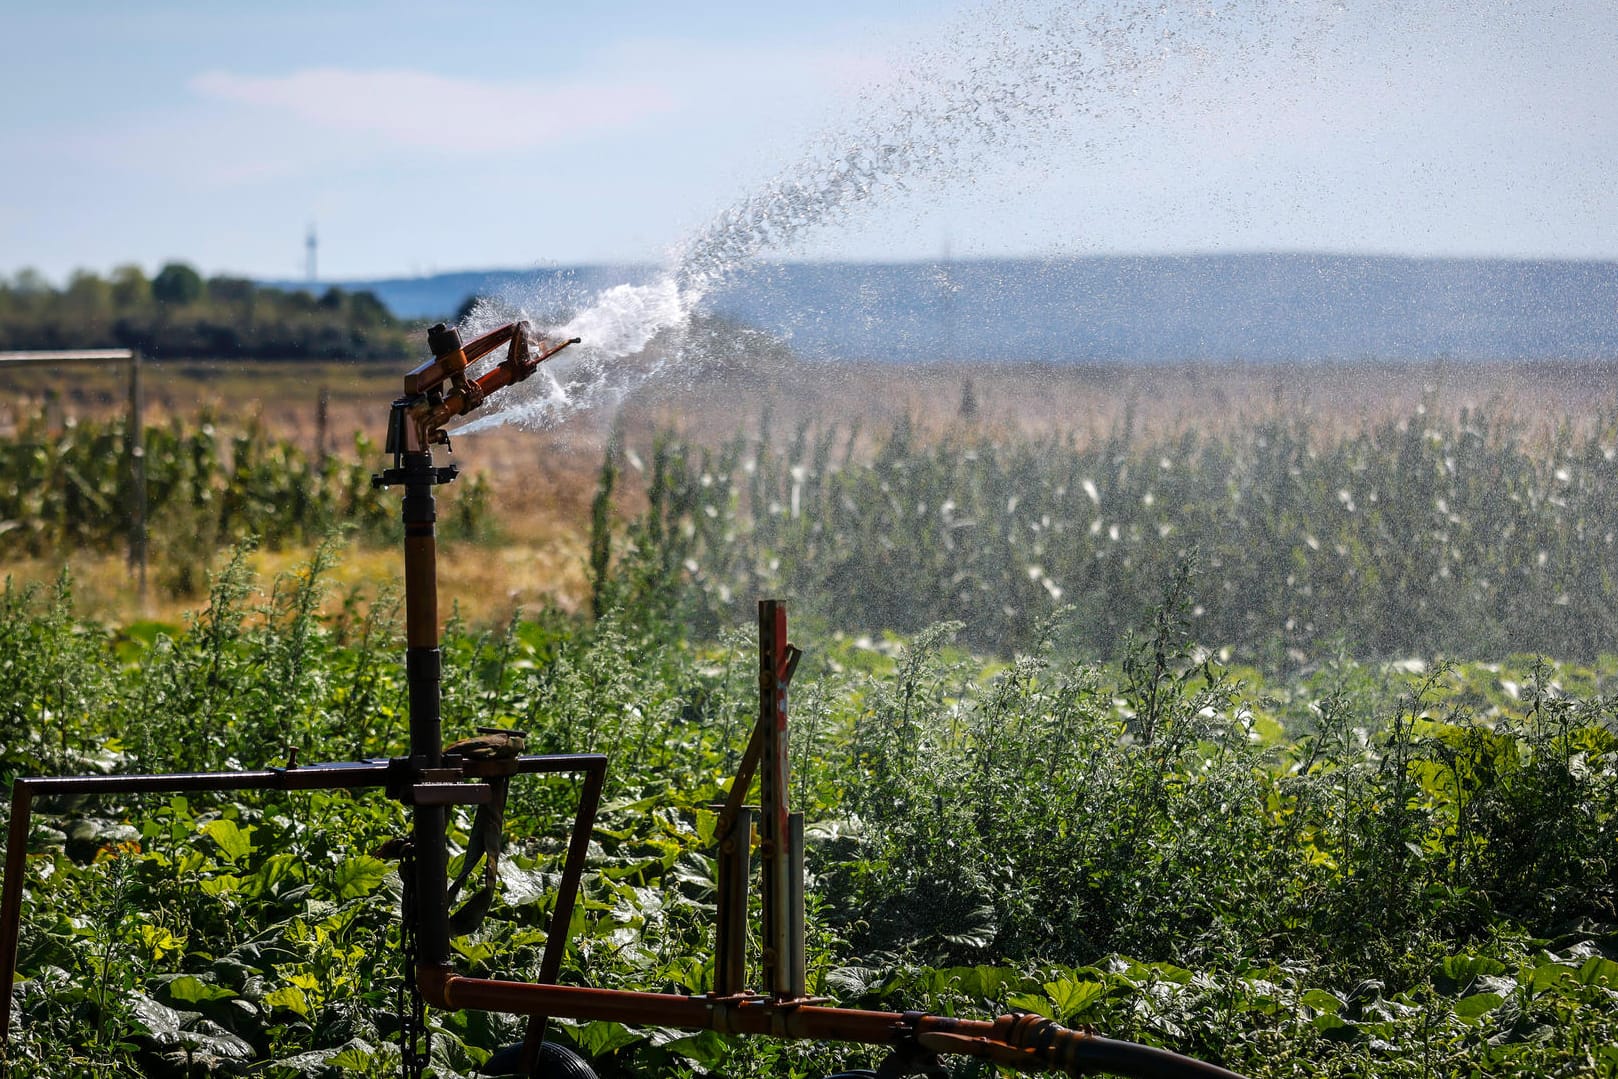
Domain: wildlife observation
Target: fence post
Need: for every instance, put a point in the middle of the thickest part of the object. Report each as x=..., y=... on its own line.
x=136, y=436
x=322, y=417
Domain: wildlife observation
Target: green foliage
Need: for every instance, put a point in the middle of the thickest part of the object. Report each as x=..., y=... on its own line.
x=1420, y=537
x=177, y=284
x=1360, y=870
x=178, y=315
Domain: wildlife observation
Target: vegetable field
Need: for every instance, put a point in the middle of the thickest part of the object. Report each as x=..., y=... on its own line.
x=1151, y=734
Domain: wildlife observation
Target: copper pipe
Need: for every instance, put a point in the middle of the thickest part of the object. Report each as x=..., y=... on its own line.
x=470, y=394
x=1024, y=1042
x=423, y=676
x=421, y=588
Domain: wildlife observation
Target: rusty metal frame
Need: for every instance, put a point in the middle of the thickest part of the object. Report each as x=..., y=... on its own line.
x=346, y=775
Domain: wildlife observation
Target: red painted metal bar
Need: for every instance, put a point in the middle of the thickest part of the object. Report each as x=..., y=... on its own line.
x=774, y=828
x=743, y=780
x=748, y=766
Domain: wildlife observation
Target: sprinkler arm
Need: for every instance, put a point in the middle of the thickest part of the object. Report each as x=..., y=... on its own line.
x=431, y=407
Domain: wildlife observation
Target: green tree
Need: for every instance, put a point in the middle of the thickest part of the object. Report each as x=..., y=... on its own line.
x=130, y=287
x=177, y=283
x=30, y=282
x=88, y=296
x=367, y=309
x=178, y=314
x=223, y=289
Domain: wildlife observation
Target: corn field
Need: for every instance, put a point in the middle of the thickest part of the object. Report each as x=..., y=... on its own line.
x=1423, y=535
x=206, y=489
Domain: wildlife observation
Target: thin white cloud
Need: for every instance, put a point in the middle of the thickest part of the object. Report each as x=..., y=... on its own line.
x=418, y=109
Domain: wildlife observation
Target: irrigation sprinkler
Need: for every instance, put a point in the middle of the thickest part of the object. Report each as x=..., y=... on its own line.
x=476, y=771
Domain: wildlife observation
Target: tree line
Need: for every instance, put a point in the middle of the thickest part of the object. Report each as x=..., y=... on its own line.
x=179, y=314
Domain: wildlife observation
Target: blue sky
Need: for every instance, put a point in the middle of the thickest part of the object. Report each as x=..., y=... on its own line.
x=429, y=137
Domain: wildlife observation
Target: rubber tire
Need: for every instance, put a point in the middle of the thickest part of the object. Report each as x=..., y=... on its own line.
x=555, y=1061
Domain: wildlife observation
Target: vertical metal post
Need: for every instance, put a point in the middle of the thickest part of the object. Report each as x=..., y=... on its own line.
x=322, y=417
x=22, y=806
x=136, y=438
x=774, y=828
x=798, y=956
x=730, y=938
x=424, y=672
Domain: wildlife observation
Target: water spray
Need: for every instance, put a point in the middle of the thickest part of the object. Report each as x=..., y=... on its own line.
x=993, y=87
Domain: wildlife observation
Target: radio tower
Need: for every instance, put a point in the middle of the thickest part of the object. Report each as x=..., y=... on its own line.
x=309, y=245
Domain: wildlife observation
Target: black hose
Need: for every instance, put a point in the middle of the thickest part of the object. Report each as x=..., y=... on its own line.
x=1095, y=1054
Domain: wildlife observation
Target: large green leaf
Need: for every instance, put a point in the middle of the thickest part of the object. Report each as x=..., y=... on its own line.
x=1458, y=971
x=289, y=997
x=1598, y=970
x=234, y=842
x=1478, y=1005
x=358, y=876
x=189, y=989
x=1072, y=996
x=1321, y=1001
x=598, y=1038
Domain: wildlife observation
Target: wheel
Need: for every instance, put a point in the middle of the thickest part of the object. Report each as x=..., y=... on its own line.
x=555, y=1062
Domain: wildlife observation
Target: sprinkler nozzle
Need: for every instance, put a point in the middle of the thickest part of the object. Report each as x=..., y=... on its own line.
x=433, y=407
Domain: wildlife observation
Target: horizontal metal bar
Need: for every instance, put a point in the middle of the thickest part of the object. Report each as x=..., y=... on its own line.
x=562, y=762
x=304, y=777
x=733, y=1015
x=451, y=794
x=89, y=355
x=1024, y=1042
x=338, y=774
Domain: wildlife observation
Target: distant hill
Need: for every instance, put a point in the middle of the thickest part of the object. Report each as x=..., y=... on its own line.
x=1259, y=308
